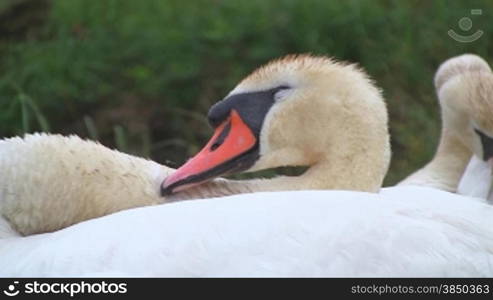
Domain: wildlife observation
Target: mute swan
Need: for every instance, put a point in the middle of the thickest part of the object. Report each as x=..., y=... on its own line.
x=464, y=86
x=296, y=111
x=401, y=231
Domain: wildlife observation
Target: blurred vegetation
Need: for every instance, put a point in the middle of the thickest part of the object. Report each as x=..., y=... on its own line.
x=141, y=75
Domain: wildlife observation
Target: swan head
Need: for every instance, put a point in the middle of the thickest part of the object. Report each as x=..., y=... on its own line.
x=458, y=65
x=293, y=111
x=465, y=89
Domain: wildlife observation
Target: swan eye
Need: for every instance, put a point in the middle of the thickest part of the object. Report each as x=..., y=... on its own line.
x=281, y=91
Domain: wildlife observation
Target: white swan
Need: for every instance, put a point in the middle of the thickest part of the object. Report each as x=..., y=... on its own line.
x=296, y=111
x=464, y=85
x=402, y=231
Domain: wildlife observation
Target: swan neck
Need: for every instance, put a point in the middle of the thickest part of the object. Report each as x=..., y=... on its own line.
x=446, y=168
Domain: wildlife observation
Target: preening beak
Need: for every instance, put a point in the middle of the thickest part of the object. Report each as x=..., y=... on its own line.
x=490, y=192
x=487, y=144
x=232, y=148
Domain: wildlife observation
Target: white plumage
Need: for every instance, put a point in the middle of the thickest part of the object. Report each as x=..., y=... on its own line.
x=477, y=180
x=405, y=231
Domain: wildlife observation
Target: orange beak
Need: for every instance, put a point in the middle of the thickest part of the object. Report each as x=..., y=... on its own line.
x=232, y=148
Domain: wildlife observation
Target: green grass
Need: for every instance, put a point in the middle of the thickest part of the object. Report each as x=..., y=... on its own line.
x=140, y=75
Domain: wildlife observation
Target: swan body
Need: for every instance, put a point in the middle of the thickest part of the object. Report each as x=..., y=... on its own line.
x=41, y=172
x=402, y=231
x=52, y=181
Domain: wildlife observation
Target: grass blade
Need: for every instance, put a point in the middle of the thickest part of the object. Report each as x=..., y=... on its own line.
x=24, y=114
x=42, y=121
x=91, y=128
x=120, y=138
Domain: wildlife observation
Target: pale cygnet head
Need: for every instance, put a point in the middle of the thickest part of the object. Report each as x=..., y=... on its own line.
x=459, y=65
x=465, y=90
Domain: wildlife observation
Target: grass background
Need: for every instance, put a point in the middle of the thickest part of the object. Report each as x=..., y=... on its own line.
x=140, y=75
